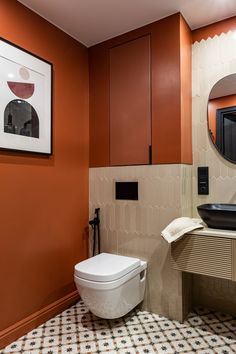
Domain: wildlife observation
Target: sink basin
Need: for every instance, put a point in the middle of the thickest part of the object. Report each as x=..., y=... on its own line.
x=218, y=216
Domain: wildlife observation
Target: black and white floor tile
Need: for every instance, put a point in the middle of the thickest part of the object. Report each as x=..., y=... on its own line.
x=76, y=330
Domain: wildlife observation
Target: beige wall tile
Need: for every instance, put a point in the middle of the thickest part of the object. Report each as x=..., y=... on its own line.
x=213, y=59
x=133, y=228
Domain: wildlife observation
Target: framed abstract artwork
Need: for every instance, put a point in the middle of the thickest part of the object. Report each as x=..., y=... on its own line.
x=25, y=100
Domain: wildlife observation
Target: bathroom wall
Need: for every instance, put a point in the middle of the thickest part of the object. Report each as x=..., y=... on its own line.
x=44, y=199
x=213, y=105
x=213, y=58
x=133, y=227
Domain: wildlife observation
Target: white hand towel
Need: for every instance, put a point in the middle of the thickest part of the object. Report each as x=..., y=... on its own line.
x=180, y=226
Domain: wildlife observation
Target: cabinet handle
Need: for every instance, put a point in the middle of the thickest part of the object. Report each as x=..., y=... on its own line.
x=150, y=154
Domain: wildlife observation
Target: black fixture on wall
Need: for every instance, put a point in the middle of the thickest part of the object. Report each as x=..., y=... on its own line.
x=127, y=190
x=95, y=223
x=203, y=180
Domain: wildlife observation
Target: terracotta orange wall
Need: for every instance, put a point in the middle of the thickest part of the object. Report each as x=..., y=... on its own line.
x=216, y=28
x=44, y=200
x=213, y=105
x=166, y=87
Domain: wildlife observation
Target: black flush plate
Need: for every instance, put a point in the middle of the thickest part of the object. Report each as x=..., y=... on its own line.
x=127, y=190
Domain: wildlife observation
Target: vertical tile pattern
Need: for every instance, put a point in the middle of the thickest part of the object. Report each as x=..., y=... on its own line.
x=133, y=227
x=213, y=59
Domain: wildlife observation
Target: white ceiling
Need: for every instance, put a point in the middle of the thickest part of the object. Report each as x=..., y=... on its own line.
x=93, y=21
x=224, y=87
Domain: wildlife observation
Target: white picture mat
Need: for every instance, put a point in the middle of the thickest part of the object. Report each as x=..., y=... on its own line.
x=11, y=60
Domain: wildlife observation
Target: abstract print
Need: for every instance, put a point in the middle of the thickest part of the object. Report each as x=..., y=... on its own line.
x=20, y=117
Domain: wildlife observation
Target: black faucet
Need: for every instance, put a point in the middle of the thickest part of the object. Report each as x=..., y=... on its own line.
x=95, y=223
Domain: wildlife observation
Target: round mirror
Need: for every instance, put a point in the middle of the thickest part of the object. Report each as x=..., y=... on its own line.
x=222, y=116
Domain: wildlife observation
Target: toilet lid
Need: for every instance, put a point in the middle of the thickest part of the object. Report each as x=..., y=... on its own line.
x=106, y=267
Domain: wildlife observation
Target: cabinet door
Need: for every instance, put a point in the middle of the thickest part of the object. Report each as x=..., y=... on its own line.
x=130, y=102
x=204, y=255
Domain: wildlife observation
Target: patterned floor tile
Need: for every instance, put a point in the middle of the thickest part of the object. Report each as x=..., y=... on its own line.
x=123, y=342
x=52, y=350
x=14, y=347
x=181, y=345
x=138, y=328
x=213, y=340
x=127, y=351
x=223, y=316
x=164, y=348
x=76, y=330
x=70, y=328
x=145, y=318
x=34, y=343
x=202, y=310
x=132, y=320
x=218, y=327
x=173, y=334
x=71, y=349
x=209, y=318
x=82, y=310
x=197, y=343
x=206, y=351
x=157, y=337
x=229, y=337
x=140, y=339
x=51, y=331
x=86, y=336
x=195, y=321
x=65, y=320
x=103, y=333
x=120, y=331
x=231, y=324
x=69, y=338
x=204, y=330
x=51, y=341
x=167, y=324
x=70, y=312
x=101, y=324
x=38, y=332
x=189, y=332
x=87, y=347
x=54, y=321
x=146, y=349
x=224, y=350
x=151, y=327
x=106, y=344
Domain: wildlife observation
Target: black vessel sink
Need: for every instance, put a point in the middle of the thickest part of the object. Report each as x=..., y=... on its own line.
x=218, y=216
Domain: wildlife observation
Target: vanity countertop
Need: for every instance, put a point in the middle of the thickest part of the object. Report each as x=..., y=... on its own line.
x=214, y=232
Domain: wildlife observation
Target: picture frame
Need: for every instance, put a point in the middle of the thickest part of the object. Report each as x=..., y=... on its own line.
x=25, y=100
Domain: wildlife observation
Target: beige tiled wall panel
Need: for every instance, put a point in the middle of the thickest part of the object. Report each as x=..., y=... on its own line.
x=133, y=227
x=213, y=59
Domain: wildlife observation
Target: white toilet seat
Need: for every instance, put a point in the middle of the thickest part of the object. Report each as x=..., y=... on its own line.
x=106, y=267
x=108, y=285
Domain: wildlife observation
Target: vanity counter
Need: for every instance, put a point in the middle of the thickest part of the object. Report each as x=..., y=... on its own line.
x=214, y=232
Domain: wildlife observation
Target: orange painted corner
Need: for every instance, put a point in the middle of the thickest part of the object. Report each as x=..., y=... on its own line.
x=44, y=200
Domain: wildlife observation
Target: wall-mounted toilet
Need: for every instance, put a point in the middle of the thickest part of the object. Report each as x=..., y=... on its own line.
x=111, y=285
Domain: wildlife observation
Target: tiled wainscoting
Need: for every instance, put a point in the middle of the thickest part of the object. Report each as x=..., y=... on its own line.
x=140, y=332
x=133, y=228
